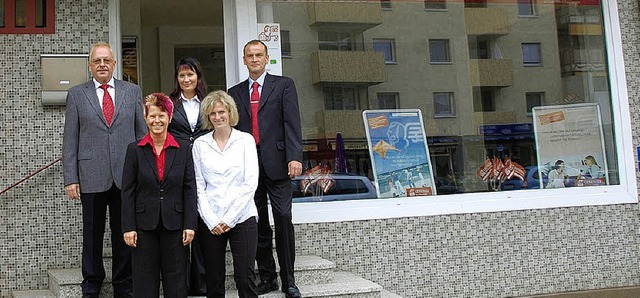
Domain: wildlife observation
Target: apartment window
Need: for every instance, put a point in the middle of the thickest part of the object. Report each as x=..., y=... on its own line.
x=388, y=47
x=340, y=98
x=335, y=41
x=439, y=50
x=435, y=4
x=487, y=100
x=531, y=55
x=385, y=4
x=387, y=101
x=27, y=16
x=525, y=8
x=534, y=99
x=443, y=104
x=285, y=44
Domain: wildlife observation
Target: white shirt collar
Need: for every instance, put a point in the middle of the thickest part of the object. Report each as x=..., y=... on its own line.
x=111, y=83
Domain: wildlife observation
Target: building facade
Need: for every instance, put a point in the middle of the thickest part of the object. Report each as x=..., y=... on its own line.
x=479, y=72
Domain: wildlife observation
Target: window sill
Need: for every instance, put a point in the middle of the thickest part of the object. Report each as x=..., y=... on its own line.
x=442, y=63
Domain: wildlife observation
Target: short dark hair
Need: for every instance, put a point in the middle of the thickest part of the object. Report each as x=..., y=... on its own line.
x=255, y=42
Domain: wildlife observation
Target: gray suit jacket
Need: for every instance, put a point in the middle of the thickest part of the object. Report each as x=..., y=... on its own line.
x=92, y=152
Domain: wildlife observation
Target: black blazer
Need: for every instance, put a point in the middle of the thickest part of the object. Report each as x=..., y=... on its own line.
x=179, y=127
x=144, y=197
x=278, y=122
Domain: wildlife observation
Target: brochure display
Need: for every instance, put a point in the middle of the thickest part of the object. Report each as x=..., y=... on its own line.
x=570, y=145
x=399, y=153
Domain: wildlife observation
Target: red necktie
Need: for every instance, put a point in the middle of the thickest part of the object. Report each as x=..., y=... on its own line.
x=255, y=100
x=107, y=104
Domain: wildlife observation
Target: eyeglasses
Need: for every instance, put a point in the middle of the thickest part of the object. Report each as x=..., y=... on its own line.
x=99, y=61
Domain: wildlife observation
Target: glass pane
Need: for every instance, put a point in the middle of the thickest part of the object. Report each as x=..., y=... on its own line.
x=1, y=13
x=41, y=13
x=482, y=80
x=21, y=13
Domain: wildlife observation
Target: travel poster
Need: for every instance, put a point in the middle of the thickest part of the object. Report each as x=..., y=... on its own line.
x=399, y=153
x=570, y=145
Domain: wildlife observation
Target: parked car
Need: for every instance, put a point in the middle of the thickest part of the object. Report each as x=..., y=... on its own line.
x=532, y=180
x=342, y=187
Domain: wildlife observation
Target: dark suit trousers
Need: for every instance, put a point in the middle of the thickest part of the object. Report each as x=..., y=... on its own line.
x=243, y=240
x=94, y=212
x=160, y=251
x=279, y=192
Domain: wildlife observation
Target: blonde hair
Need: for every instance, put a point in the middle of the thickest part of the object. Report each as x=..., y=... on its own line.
x=209, y=102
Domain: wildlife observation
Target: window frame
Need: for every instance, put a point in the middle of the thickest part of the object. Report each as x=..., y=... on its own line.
x=447, y=50
x=530, y=106
x=396, y=97
x=531, y=64
x=452, y=106
x=30, y=16
x=392, y=47
x=386, y=5
x=443, y=2
x=624, y=193
x=531, y=5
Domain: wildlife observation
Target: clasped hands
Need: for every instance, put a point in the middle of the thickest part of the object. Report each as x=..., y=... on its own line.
x=220, y=229
x=131, y=238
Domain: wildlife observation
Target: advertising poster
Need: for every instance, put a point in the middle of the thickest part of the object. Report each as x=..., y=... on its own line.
x=399, y=153
x=270, y=35
x=570, y=145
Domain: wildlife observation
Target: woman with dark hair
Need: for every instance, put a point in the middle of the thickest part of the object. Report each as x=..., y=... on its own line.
x=190, y=90
x=159, y=207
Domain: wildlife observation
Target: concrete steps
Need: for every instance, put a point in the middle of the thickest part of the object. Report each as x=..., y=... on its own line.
x=315, y=276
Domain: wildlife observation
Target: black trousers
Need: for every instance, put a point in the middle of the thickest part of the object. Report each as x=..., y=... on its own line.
x=160, y=251
x=280, y=193
x=94, y=213
x=242, y=239
x=196, y=274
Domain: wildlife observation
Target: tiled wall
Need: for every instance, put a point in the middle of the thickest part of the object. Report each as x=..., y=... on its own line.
x=39, y=227
x=472, y=255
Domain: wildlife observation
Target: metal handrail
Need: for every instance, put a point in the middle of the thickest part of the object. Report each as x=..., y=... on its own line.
x=30, y=175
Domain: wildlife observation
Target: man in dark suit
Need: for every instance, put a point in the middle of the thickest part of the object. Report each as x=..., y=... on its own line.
x=268, y=108
x=103, y=116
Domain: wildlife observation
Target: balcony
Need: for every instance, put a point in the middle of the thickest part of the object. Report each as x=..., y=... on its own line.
x=491, y=72
x=345, y=15
x=361, y=68
x=348, y=123
x=485, y=118
x=486, y=21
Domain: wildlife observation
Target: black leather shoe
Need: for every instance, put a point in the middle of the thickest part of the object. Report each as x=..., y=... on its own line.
x=292, y=292
x=266, y=286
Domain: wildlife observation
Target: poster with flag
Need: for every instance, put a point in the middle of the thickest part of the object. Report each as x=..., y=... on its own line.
x=399, y=153
x=570, y=145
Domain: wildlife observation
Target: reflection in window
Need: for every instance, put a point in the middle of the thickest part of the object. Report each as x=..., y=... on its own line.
x=534, y=99
x=439, y=50
x=525, y=8
x=478, y=107
x=435, y=4
x=41, y=15
x=443, y=104
x=387, y=101
x=531, y=54
x=385, y=4
x=386, y=46
x=285, y=43
x=335, y=41
x=340, y=98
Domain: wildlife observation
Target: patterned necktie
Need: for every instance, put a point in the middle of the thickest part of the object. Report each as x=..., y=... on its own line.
x=107, y=104
x=255, y=100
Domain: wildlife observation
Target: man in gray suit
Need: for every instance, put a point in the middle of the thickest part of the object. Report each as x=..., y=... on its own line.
x=103, y=116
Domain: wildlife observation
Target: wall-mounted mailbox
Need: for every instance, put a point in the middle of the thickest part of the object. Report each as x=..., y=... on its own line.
x=61, y=72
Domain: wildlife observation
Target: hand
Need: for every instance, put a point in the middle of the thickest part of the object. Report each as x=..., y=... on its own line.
x=220, y=229
x=295, y=168
x=187, y=236
x=131, y=238
x=73, y=191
